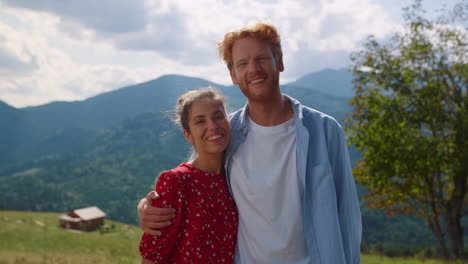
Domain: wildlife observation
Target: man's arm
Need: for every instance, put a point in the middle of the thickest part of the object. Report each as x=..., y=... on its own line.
x=146, y=261
x=154, y=218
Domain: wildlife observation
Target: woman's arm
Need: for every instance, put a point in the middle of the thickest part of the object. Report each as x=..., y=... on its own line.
x=160, y=248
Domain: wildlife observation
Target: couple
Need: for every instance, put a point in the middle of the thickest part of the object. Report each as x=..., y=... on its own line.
x=286, y=167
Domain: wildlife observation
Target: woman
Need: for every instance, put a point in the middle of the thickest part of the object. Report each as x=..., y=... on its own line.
x=204, y=230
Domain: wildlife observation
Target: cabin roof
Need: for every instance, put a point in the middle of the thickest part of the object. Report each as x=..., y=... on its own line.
x=89, y=213
x=70, y=218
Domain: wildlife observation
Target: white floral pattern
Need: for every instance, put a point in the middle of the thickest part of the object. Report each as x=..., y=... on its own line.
x=205, y=227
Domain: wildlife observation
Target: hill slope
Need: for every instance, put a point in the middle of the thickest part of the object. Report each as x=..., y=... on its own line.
x=35, y=238
x=333, y=82
x=58, y=127
x=27, y=237
x=112, y=172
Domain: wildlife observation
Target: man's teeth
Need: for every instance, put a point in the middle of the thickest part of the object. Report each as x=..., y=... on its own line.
x=214, y=137
x=256, y=81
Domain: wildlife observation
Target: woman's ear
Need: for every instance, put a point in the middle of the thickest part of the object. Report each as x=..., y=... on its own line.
x=188, y=136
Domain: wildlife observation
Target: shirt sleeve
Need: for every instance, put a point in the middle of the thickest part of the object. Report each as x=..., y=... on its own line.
x=160, y=248
x=349, y=213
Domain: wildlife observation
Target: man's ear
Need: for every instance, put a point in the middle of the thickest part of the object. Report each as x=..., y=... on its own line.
x=188, y=136
x=280, y=65
x=233, y=77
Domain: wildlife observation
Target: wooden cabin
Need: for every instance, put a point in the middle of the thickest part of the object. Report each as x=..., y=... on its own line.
x=89, y=218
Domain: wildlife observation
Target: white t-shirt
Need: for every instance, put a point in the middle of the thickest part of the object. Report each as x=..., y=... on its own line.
x=266, y=188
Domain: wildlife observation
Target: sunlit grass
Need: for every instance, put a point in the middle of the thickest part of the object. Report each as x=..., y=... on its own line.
x=375, y=259
x=37, y=238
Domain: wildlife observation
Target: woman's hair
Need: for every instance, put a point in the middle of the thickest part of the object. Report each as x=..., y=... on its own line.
x=260, y=30
x=186, y=100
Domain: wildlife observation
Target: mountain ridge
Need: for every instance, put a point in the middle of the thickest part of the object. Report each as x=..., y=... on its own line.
x=32, y=127
x=108, y=150
x=334, y=82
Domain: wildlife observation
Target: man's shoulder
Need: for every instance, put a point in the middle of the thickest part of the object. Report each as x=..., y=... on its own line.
x=236, y=113
x=236, y=117
x=313, y=116
x=310, y=116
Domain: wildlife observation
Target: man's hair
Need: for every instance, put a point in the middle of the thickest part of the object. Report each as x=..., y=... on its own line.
x=259, y=30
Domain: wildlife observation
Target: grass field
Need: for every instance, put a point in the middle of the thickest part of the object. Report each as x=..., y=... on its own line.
x=36, y=238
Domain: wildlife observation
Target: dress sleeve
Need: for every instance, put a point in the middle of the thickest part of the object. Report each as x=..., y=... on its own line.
x=160, y=248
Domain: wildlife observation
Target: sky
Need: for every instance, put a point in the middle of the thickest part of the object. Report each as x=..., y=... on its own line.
x=67, y=50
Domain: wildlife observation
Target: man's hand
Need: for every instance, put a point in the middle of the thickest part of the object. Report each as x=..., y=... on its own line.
x=154, y=218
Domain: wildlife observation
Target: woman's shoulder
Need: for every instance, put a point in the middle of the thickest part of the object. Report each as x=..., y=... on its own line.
x=177, y=174
x=183, y=169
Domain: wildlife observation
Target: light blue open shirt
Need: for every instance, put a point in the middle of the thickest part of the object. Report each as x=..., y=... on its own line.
x=330, y=206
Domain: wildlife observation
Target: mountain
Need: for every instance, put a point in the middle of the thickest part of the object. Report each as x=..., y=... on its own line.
x=59, y=127
x=109, y=108
x=14, y=127
x=333, y=82
x=109, y=149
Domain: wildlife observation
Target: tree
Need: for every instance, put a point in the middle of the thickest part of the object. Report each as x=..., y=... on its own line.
x=410, y=122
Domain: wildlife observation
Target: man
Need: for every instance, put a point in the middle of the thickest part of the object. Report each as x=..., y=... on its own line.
x=287, y=166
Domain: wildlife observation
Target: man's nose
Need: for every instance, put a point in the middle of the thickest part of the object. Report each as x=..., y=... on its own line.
x=254, y=66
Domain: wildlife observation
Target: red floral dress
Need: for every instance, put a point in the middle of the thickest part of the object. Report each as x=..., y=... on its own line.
x=205, y=226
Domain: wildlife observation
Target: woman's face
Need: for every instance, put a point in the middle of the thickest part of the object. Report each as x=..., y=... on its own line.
x=209, y=127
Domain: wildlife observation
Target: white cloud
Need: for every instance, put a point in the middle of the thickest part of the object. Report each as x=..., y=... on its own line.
x=71, y=50
x=48, y=73
x=111, y=16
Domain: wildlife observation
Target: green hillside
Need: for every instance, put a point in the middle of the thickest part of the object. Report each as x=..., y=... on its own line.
x=112, y=172
x=27, y=237
x=36, y=238
x=59, y=127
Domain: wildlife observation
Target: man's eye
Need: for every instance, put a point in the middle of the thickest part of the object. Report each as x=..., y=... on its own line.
x=199, y=122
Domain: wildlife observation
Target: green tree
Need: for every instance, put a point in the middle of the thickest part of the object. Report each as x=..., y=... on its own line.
x=410, y=122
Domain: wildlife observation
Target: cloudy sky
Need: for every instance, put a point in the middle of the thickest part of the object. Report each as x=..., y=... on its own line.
x=68, y=50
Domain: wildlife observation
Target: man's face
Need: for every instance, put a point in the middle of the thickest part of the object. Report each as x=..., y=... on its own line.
x=255, y=69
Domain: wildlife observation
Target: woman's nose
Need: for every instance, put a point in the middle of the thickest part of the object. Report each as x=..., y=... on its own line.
x=212, y=124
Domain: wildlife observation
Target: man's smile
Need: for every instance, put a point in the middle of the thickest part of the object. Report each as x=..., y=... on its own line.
x=257, y=81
